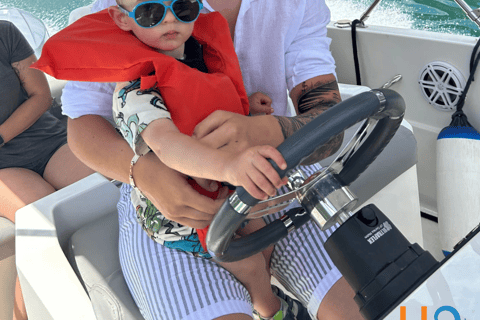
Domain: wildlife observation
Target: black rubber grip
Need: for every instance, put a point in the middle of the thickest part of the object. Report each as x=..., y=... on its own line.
x=256, y=242
x=241, y=248
x=221, y=230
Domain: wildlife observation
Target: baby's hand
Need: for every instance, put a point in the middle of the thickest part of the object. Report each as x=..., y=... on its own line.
x=207, y=184
x=251, y=170
x=260, y=104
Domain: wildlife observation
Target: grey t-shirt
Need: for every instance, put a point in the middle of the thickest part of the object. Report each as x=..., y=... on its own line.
x=44, y=137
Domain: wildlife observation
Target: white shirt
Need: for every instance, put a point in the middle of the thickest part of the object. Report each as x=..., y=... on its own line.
x=279, y=44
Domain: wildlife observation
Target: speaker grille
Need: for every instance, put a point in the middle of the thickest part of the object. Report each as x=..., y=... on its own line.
x=441, y=84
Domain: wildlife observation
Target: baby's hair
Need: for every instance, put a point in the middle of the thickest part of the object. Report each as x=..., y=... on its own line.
x=122, y=2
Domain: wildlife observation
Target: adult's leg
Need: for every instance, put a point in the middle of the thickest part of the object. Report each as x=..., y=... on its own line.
x=64, y=168
x=19, y=187
x=301, y=264
x=338, y=303
x=169, y=284
x=253, y=274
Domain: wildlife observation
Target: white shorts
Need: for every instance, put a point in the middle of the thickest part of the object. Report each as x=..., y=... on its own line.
x=168, y=284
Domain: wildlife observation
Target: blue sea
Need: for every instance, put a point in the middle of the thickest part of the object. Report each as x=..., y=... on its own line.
x=433, y=15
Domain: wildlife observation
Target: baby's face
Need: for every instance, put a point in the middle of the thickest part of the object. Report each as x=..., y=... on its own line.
x=167, y=37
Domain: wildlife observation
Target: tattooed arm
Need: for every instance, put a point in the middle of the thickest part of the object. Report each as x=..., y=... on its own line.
x=39, y=99
x=232, y=131
x=311, y=98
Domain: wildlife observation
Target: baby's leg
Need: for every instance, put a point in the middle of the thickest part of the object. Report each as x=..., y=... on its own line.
x=254, y=274
x=251, y=227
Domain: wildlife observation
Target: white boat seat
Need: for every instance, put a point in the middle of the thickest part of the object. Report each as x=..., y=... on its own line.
x=80, y=222
x=99, y=269
x=77, y=13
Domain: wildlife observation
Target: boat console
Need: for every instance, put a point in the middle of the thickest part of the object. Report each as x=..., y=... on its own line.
x=67, y=243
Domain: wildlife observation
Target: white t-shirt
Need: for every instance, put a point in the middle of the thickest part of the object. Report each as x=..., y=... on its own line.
x=278, y=49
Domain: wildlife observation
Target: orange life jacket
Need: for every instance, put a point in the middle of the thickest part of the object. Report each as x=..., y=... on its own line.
x=94, y=49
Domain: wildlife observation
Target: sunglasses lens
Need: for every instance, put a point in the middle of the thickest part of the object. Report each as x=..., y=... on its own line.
x=186, y=10
x=149, y=14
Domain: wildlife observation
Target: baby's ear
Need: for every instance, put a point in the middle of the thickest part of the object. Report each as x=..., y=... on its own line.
x=121, y=20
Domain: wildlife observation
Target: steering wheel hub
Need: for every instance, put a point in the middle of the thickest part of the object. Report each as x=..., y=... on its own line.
x=327, y=201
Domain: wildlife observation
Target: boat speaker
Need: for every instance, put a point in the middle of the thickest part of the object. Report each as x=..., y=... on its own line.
x=441, y=84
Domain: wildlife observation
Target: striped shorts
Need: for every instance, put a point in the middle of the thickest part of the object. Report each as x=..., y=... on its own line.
x=167, y=284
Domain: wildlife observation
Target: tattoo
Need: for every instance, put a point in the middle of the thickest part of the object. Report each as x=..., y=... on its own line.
x=322, y=96
x=16, y=67
x=291, y=125
x=324, y=151
x=314, y=100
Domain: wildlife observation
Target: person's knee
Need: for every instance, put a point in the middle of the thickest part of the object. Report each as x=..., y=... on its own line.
x=19, y=187
x=248, y=269
x=338, y=303
x=254, y=267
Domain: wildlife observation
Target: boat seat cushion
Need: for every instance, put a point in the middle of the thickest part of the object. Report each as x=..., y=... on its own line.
x=93, y=254
x=94, y=248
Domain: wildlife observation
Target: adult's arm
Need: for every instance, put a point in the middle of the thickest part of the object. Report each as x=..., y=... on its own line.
x=96, y=143
x=39, y=99
x=236, y=132
x=312, y=84
x=311, y=98
x=310, y=75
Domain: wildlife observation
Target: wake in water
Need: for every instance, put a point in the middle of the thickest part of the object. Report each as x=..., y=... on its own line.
x=432, y=15
x=390, y=15
x=443, y=16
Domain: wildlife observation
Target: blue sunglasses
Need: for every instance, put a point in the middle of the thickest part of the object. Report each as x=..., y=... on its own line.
x=150, y=13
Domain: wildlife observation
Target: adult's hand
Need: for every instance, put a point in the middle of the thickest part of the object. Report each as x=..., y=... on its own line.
x=173, y=196
x=236, y=133
x=95, y=142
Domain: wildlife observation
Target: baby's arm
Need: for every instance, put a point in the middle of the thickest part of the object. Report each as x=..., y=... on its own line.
x=249, y=169
x=145, y=123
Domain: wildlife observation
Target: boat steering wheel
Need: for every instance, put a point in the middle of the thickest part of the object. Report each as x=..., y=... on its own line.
x=382, y=111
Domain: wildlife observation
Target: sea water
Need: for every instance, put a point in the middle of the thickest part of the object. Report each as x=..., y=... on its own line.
x=54, y=13
x=433, y=15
